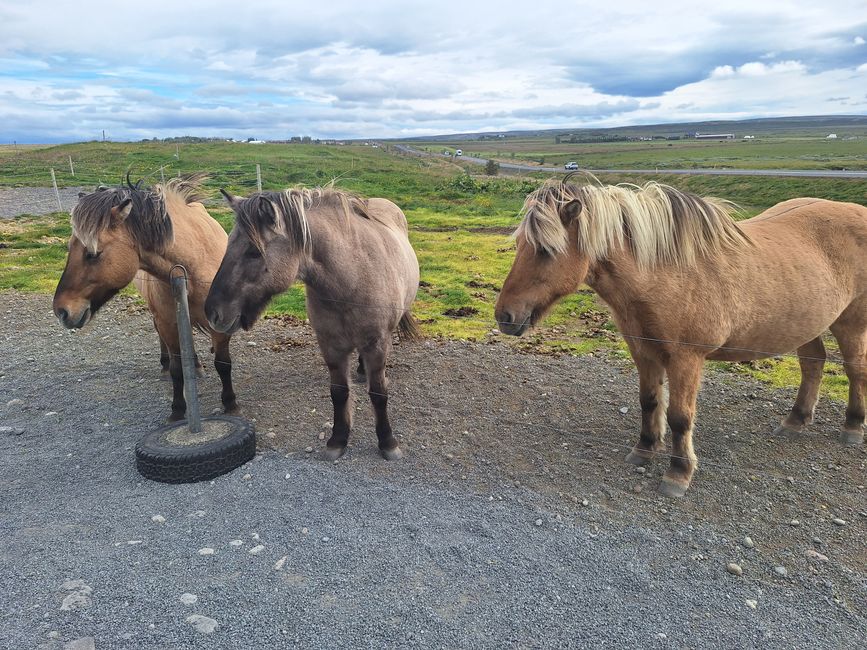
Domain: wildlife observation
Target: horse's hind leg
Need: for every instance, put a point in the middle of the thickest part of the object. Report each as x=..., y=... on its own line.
x=338, y=369
x=811, y=357
x=223, y=365
x=168, y=332
x=360, y=373
x=684, y=379
x=852, y=337
x=654, y=401
x=164, y=356
x=377, y=388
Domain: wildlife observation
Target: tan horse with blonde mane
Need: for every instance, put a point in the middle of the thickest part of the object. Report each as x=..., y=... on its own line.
x=127, y=233
x=685, y=284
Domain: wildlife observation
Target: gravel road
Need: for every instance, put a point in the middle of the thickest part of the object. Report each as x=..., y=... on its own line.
x=512, y=522
x=15, y=201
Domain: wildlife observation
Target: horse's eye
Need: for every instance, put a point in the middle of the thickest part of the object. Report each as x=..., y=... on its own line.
x=253, y=254
x=90, y=257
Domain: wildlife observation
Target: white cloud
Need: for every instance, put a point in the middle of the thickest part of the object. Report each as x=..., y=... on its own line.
x=387, y=68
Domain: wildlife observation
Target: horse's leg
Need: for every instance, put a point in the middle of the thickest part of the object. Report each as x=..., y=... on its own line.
x=852, y=338
x=811, y=357
x=164, y=355
x=338, y=369
x=654, y=401
x=223, y=365
x=168, y=332
x=377, y=388
x=684, y=379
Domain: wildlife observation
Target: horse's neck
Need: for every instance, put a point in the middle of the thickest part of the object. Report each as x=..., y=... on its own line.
x=328, y=268
x=181, y=251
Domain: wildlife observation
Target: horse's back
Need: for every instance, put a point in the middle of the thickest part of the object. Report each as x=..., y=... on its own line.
x=388, y=214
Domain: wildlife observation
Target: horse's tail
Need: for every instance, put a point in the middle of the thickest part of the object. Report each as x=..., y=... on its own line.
x=407, y=328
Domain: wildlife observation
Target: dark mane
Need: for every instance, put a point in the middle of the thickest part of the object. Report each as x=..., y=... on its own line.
x=148, y=222
x=286, y=211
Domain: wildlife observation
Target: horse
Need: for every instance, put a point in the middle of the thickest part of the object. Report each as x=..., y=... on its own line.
x=130, y=233
x=687, y=283
x=361, y=276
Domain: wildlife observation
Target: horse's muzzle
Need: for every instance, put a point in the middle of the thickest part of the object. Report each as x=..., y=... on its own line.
x=72, y=322
x=507, y=324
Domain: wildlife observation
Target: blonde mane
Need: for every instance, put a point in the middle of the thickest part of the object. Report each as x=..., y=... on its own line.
x=659, y=224
x=286, y=212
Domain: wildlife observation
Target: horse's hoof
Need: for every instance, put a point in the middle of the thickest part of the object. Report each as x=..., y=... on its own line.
x=671, y=488
x=175, y=417
x=788, y=432
x=391, y=454
x=639, y=458
x=851, y=437
x=232, y=410
x=333, y=453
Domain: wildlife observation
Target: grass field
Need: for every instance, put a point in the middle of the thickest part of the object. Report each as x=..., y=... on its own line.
x=459, y=226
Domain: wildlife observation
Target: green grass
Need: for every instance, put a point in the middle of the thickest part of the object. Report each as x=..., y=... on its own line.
x=459, y=225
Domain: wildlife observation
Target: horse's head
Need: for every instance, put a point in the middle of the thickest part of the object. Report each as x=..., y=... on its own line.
x=102, y=259
x=548, y=264
x=262, y=259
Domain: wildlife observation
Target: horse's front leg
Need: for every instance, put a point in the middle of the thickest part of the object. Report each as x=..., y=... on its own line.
x=338, y=369
x=223, y=365
x=377, y=388
x=684, y=379
x=654, y=401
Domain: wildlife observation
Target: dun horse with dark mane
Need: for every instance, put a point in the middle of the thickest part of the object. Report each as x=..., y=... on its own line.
x=361, y=276
x=129, y=233
x=686, y=283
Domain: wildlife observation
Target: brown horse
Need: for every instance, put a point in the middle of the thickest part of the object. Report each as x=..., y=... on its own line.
x=361, y=276
x=685, y=283
x=123, y=234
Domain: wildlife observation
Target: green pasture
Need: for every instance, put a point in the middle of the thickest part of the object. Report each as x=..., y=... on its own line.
x=459, y=225
x=816, y=152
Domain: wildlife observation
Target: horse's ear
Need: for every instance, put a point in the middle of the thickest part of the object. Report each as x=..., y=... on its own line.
x=570, y=211
x=230, y=199
x=121, y=212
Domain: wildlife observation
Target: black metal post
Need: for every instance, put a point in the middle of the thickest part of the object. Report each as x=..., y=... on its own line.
x=188, y=355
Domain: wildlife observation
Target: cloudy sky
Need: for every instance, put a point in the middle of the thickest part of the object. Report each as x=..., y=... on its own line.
x=330, y=68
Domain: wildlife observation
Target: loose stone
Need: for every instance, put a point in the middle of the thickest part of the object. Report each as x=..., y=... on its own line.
x=188, y=599
x=256, y=549
x=748, y=542
x=839, y=522
x=734, y=569
x=206, y=551
x=203, y=624
x=781, y=571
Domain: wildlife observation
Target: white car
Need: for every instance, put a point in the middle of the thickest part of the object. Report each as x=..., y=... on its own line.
x=571, y=165
x=458, y=152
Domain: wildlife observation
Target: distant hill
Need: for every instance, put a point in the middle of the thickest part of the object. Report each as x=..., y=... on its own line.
x=789, y=126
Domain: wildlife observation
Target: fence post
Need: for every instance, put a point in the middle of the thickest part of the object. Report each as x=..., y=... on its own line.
x=258, y=177
x=56, y=191
x=188, y=355
x=71, y=168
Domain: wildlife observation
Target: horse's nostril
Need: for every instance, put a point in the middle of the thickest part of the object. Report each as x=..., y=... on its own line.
x=62, y=314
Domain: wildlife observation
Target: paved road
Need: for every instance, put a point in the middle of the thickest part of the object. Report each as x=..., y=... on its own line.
x=803, y=173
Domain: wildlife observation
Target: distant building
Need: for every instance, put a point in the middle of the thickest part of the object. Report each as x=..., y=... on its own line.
x=749, y=137
x=715, y=136
x=831, y=136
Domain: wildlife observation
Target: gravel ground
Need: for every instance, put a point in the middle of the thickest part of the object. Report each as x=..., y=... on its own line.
x=15, y=201
x=479, y=538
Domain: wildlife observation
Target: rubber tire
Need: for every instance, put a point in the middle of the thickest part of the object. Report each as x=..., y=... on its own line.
x=158, y=460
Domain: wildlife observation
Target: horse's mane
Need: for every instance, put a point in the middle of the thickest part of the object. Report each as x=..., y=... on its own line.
x=286, y=211
x=659, y=223
x=149, y=221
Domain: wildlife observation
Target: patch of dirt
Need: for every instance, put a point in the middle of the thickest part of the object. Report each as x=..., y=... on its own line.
x=461, y=312
x=494, y=421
